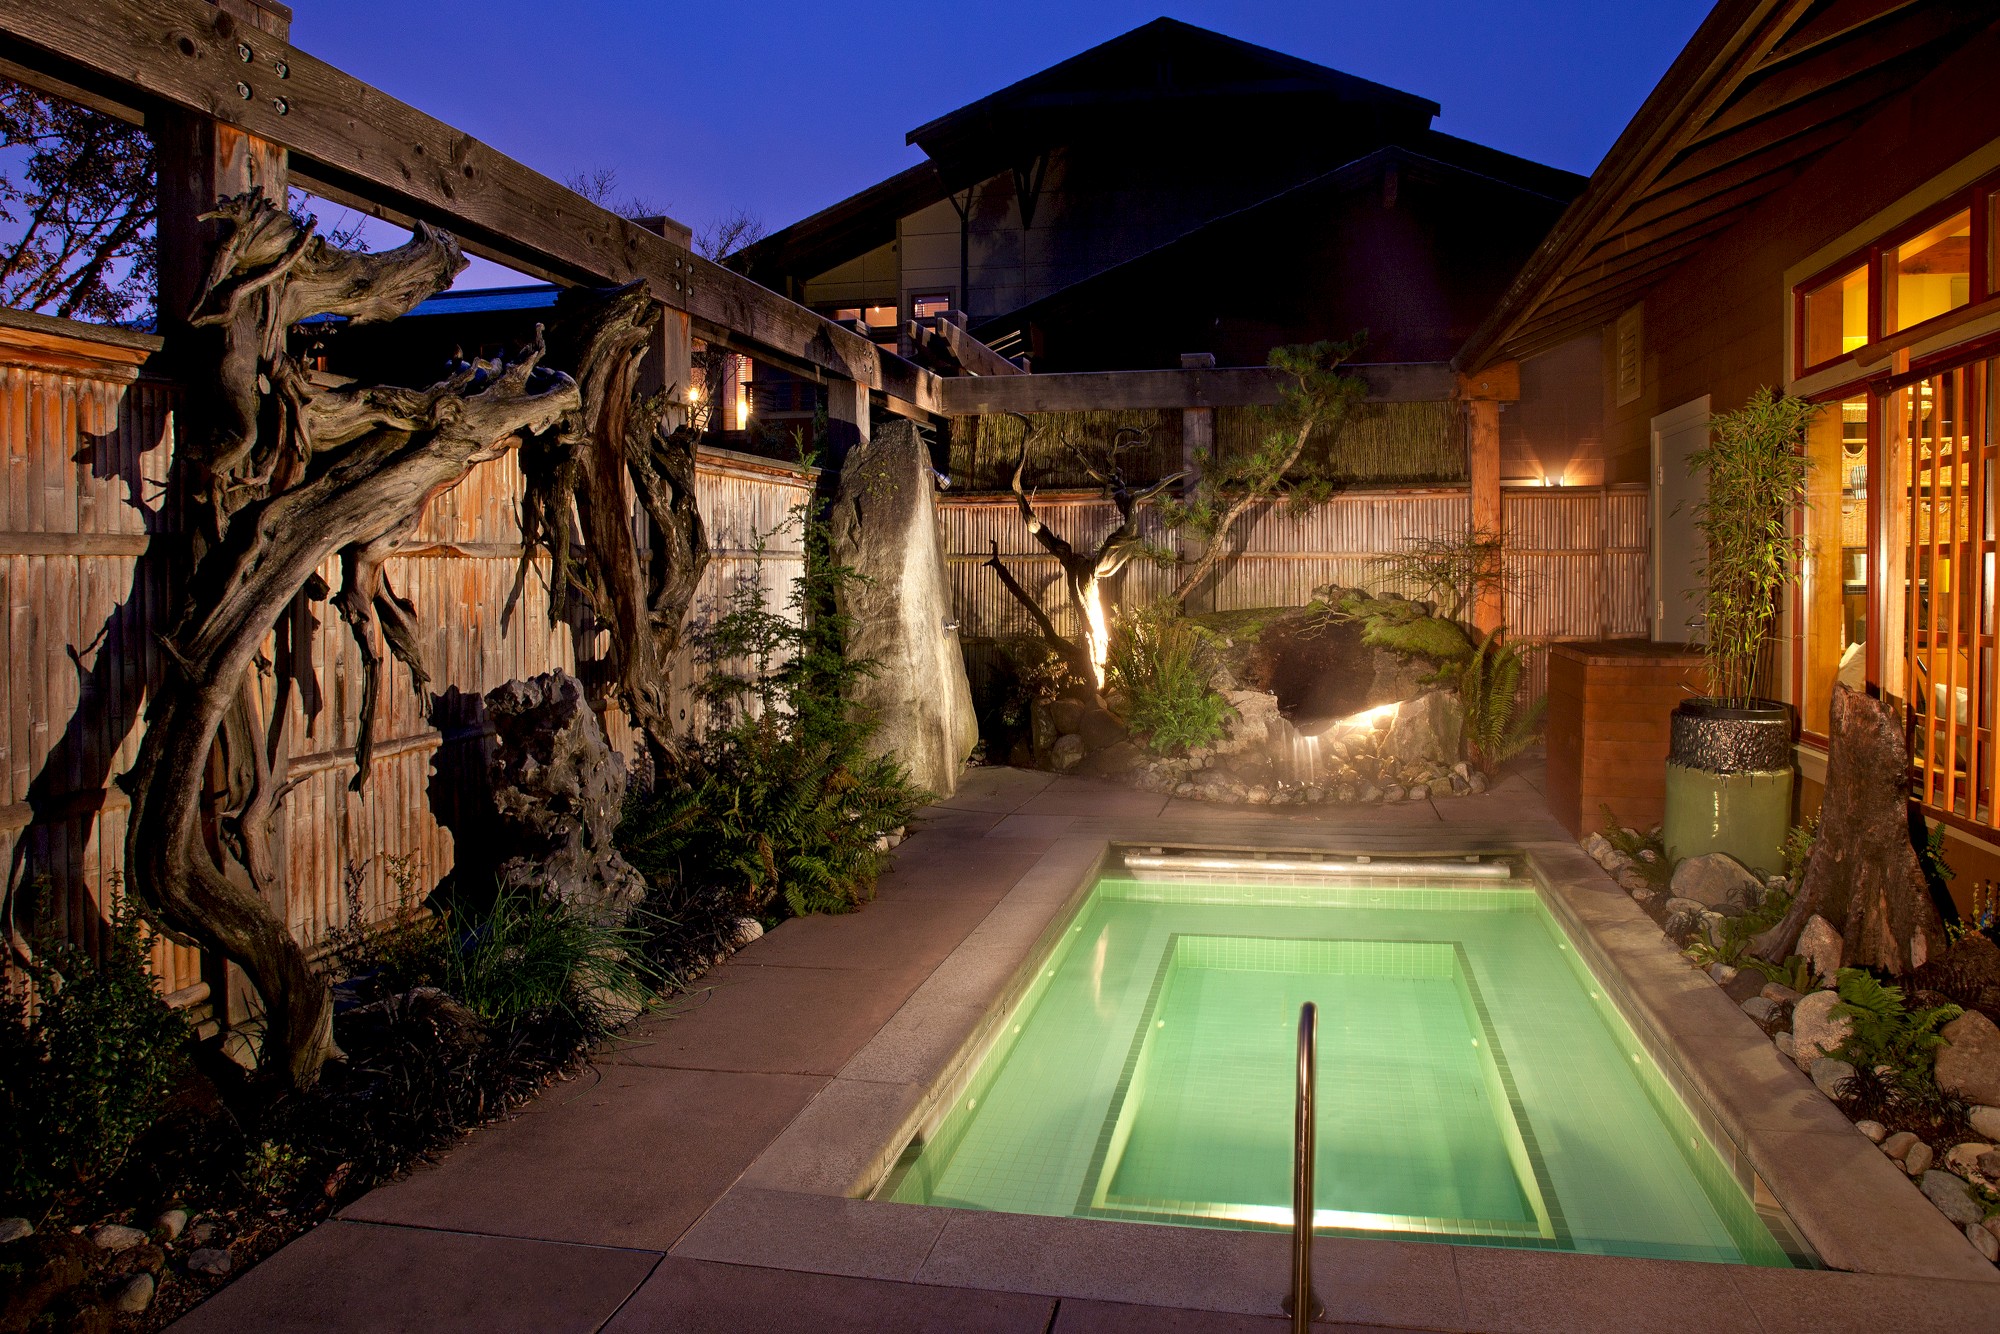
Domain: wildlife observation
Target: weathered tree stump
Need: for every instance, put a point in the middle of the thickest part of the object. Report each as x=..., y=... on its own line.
x=1863, y=876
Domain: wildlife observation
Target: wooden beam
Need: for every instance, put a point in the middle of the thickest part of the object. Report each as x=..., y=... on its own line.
x=1497, y=383
x=351, y=141
x=973, y=355
x=1482, y=458
x=973, y=395
x=1837, y=20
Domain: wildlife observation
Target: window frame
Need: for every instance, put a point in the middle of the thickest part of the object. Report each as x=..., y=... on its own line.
x=1979, y=199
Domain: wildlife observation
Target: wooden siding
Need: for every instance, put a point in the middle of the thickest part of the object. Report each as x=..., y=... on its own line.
x=87, y=442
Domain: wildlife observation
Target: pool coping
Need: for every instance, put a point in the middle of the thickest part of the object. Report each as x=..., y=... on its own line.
x=801, y=1204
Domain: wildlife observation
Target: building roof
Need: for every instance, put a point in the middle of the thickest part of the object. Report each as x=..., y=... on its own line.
x=1763, y=89
x=1162, y=71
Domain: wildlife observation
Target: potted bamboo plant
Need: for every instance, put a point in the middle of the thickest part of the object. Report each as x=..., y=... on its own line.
x=1729, y=761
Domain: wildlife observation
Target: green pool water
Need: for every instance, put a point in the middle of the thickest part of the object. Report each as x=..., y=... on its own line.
x=1476, y=1084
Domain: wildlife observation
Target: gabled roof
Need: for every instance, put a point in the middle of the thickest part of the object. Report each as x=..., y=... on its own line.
x=1763, y=89
x=854, y=226
x=1163, y=70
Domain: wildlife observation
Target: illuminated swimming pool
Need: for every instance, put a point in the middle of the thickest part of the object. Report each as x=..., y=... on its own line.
x=1476, y=1083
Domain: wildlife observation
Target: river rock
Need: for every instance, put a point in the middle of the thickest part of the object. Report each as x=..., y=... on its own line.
x=1477, y=783
x=1779, y=993
x=1717, y=880
x=1761, y=1011
x=1595, y=845
x=1989, y=1164
x=1633, y=879
x=1985, y=1122
x=1953, y=1197
x=558, y=792
x=747, y=930
x=1830, y=1076
x=1969, y=1067
x=1820, y=945
x=210, y=1260
x=1898, y=1145
x=116, y=1237
x=132, y=1296
x=13, y=1229
x=1983, y=1241
x=1964, y=1158
x=1721, y=974
x=884, y=525
x=1919, y=1159
x=1783, y=1042
x=1816, y=1031
x=1067, y=753
x=1874, y=1130
x=171, y=1224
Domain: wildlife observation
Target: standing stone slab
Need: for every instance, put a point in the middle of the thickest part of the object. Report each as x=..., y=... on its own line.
x=885, y=527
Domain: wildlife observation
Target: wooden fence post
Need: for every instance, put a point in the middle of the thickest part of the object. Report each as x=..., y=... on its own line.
x=200, y=162
x=1483, y=393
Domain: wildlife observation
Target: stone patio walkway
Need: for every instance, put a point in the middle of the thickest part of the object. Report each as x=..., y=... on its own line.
x=566, y=1217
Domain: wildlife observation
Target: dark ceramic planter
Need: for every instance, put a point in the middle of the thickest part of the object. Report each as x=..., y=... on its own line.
x=1729, y=781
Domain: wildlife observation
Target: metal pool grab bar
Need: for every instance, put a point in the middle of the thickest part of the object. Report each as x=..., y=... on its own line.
x=1302, y=1303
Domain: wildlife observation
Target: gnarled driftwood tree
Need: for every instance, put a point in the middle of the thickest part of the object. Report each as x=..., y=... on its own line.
x=277, y=475
x=1084, y=571
x=614, y=439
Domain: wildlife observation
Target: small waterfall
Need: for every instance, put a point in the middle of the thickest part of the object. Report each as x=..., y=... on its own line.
x=1305, y=758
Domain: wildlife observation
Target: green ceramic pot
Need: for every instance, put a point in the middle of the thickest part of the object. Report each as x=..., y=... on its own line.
x=1729, y=781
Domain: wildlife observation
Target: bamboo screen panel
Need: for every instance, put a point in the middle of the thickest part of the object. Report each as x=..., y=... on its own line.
x=87, y=442
x=1383, y=444
x=1943, y=428
x=1576, y=559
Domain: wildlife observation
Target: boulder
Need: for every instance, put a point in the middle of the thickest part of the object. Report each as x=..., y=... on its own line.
x=884, y=526
x=1985, y=1124
x=1820, y=946
x=1898, y=1145
x=1761, y=1011
x=1425, y=731
x=1067, y=753
x=1983, y=1241
x=1919, y=1158
x=558, y=791
x=1717, y=880
x=1816, y=1030
x=171, y=1223
x=1968, y=1066
x=13, y=1229
x=1112, y=761
x=1953, y=1197
x=1874, y=1130
x=1250, y=729
x=1100, y=730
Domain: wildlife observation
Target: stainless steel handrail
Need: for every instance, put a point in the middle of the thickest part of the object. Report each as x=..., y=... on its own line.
x=1302, y=1303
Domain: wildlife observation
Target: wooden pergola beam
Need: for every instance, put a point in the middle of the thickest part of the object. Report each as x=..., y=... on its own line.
x=357, y=145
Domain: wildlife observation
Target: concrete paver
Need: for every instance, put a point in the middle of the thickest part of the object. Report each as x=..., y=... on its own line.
x=343, y=1277
x=621, y=1156
x=696, y=1297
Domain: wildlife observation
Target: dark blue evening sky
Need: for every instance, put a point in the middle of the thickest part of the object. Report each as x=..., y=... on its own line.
x=782, y=108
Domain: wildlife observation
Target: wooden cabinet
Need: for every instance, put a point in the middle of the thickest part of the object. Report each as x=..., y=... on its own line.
x=1609, y=702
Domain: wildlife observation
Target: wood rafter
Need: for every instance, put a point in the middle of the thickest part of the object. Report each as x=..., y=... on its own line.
x=359, y=146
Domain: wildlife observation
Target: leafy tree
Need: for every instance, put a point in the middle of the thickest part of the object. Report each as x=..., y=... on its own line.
x=1317, y=399
x=78, y=200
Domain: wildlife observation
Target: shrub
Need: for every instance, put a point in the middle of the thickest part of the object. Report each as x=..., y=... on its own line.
x=530, y=955
x=1164, y=665
x=1497, y=728
x=87, y=1063
x=780, y=808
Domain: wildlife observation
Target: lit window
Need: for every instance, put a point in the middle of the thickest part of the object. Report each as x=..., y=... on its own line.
x=926, y=305
x=1836, y=317
x=1928, y=275
x=880, y=317
x=1836, y=565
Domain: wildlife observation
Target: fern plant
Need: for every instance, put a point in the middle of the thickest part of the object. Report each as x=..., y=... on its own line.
x=1795, y=972
x=1886, y=1031
x=1497, y=728
x=1164, y=664
x=781, y=807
